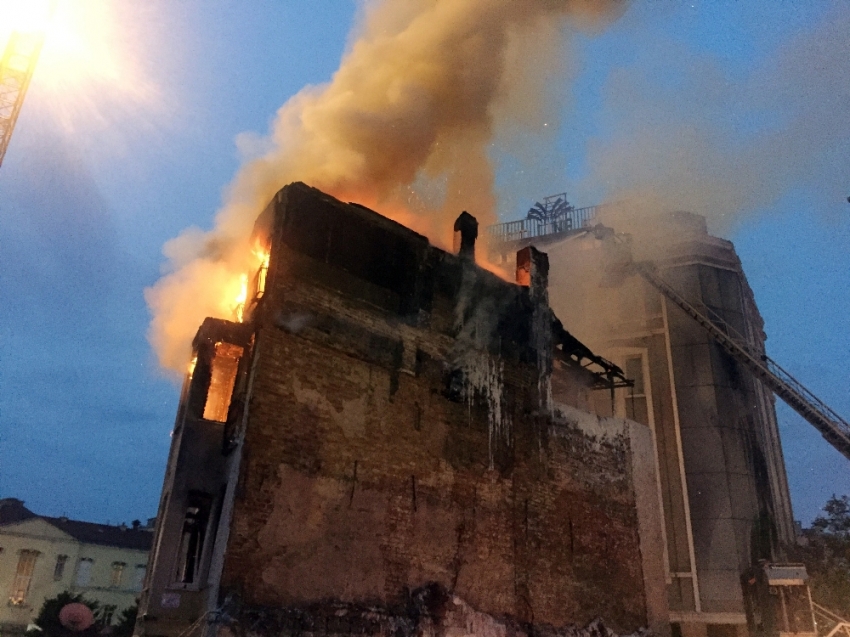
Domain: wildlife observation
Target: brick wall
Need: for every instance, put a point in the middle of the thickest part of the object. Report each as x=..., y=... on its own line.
x=351, y=492
x=397, y=438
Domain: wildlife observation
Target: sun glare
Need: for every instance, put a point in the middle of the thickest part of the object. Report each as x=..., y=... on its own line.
x=87, y=55
x=30, y=16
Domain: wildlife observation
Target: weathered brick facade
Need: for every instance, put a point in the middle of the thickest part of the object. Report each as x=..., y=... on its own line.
x=395, y=449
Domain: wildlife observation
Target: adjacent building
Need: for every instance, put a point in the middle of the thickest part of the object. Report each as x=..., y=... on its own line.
x=721, y=472
x=398, y=442
x=42, y=556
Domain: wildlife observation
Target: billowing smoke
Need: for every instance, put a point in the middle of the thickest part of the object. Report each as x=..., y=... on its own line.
x=685, y=133
x=682, y=133
x=405, y=126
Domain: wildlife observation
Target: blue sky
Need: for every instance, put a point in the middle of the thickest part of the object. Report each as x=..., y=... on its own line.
x=91, y=188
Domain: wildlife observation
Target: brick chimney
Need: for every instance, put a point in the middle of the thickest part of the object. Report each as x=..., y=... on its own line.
x=466, y=232
x=532, y=271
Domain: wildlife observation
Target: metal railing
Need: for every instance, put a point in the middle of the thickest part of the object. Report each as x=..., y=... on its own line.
x=829, y=624
x=570, y=219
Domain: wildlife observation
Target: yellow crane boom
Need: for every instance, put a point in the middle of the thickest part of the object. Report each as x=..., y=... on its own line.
x=16, y=68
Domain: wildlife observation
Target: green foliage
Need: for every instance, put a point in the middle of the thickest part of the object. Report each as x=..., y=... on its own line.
x=48, y=616
x=126, y=622
x=836, y=524
x=826, y=553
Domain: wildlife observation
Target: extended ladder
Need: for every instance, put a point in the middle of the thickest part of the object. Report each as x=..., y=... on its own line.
x=832, y=427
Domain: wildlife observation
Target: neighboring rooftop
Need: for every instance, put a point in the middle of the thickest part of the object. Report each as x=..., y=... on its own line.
x=137, y=537
x=13, y=510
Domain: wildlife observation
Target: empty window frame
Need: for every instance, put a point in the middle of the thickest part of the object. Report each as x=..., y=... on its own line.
x=636, y=405
x=139, y=577
x=84, y=567
x=23, y=577
x=107, y=614
x=117, y=574
x=225, y=364
x=263, y=272
x=193, y=537
x=59, y=568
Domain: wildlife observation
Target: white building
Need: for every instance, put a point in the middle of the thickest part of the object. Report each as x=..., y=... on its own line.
x=41, y=557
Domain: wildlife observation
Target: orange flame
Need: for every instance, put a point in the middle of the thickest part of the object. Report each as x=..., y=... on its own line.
x=262, y=255
x=239, y=308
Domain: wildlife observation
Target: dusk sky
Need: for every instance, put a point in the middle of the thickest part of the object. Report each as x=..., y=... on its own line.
x=736, y=110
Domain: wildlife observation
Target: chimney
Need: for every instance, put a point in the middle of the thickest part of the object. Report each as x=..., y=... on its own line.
x=532, y=271
x=466, y=232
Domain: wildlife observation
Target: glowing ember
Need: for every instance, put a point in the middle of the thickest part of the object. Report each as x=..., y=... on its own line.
x=192, y=364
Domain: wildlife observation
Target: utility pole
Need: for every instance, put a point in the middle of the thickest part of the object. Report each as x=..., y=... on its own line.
x=16, y=68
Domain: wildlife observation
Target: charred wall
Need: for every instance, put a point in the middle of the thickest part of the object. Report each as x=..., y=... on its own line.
x=398, y=453
x=397, y=437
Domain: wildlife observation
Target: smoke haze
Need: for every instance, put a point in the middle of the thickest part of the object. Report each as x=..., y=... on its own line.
x=688, y=135
x=405, y=126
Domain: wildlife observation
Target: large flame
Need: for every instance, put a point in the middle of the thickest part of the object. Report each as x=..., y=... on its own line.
x=405, y=127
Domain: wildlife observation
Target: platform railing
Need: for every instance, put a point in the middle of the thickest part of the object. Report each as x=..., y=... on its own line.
x=571, y=219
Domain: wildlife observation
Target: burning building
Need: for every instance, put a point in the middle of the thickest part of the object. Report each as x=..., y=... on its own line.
x=396, y=441
x=721, y=471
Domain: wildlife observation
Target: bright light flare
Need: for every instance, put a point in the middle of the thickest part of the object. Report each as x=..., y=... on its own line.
x=87, y=58
x=28, y=16
x=79, y=45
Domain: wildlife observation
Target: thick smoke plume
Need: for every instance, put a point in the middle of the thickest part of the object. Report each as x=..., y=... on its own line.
x=404, y=126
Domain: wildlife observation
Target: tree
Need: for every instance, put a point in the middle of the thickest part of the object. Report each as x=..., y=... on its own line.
x=48, y=616
x=826, y=553
x=836, y=524
x=126, y=622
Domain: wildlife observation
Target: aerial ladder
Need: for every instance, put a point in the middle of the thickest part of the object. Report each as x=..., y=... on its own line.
x=831, y=426
x=16, y=69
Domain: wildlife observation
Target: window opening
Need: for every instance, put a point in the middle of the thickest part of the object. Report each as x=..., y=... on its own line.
x=139, y=577
x=636, y=406
x=192, y=540
x=117, y=574
x=263, y=272
x=23, y=577
x=84, y=571
x=225, y=364
x=59, y=569
x=107, y=614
